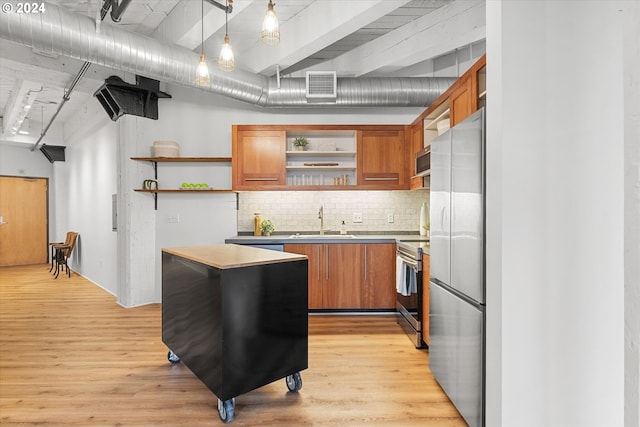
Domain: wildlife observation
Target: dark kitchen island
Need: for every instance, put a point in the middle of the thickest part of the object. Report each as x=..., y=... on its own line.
x=236, y=316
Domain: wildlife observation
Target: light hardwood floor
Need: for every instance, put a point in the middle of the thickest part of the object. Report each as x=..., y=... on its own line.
x=71, y=356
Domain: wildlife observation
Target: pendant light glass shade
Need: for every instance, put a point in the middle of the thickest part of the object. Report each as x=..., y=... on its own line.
x=202, y=72
x=225, y=60
x=270, y=28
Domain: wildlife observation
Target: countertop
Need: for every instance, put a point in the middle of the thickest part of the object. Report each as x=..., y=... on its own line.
x=232, y=256
x=327, y=238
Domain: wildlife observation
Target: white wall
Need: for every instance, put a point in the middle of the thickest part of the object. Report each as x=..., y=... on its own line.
x=86, y=182
x=555, y=219
x=632, y=215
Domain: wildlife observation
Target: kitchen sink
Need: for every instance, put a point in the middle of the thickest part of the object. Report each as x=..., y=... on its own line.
x=322, y=236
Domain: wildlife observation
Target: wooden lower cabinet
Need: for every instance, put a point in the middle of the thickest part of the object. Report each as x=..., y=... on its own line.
x=379, y=276
x=316, y=263
x=349, y=275
x=425, y=298
x=343, y=285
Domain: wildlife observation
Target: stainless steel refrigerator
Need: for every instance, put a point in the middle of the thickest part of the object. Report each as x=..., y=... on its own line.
x=457, y=285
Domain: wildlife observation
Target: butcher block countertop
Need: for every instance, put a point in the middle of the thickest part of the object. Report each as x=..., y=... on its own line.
x=231, y=255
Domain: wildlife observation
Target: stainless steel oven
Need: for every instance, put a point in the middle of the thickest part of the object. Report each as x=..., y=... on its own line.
x=409, y=289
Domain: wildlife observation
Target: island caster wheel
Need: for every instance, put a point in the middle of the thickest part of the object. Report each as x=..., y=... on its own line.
x=294, y=382
x=227, y=410
x=173, y=358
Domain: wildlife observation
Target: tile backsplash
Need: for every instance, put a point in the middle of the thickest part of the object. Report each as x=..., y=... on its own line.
x=297, y=211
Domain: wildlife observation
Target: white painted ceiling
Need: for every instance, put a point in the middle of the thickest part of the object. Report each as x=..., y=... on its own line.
x=352, y=37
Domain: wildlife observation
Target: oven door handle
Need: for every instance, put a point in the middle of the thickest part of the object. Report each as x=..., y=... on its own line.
x=412, y=262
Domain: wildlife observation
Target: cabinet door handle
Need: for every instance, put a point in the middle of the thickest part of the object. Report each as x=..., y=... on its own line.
x=319, y=262
x=365, y=263
x=261, y=179
x=326, y=262
x=381, y=179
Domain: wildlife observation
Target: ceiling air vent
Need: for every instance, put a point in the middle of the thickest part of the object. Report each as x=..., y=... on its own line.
x=322, y=85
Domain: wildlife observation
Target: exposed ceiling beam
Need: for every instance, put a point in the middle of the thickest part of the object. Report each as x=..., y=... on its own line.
x=183, y=25
x=314, y=28
x=20, y=61
x=459, y=23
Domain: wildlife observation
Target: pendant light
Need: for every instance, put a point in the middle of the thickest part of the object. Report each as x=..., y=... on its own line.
x=202, y=71
x=270, y=28
x=225, y=60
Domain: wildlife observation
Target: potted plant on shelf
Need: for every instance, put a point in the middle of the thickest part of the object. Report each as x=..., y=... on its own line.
x=267, y=227
x=300, y=143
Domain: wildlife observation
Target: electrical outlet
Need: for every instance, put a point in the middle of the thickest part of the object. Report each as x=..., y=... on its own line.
x=357, y=217
x=173, y=218
x=390, y=218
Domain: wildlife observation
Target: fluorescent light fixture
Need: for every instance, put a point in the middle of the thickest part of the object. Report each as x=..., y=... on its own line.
x=24, y=129
x=18, y=107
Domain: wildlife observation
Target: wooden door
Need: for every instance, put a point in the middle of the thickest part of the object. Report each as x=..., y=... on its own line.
x=382, y=160
x=315, y=253
x=23, y=234
x=379, y=275
x=343, y=286
x=258, y=159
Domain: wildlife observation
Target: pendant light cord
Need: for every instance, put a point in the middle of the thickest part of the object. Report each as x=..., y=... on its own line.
x=202, y=26
x=226, y=18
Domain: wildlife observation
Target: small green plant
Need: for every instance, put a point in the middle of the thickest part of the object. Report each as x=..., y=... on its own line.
x=267, y=227
x=300, y=141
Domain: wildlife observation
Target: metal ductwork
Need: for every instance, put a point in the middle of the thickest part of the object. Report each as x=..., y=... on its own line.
x=61, y=32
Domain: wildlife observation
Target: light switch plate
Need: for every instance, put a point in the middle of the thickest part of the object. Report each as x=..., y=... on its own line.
x=357, y=217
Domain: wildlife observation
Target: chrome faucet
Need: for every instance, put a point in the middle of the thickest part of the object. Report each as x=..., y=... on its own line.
x=321, y=217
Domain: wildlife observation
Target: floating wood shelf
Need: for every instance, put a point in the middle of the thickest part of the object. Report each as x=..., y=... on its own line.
x=156, y=160
x=184, y=159
x=141, y=190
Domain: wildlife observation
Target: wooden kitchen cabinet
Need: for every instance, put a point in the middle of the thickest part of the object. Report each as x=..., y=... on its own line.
x=316, y=255
x=382, y=160
x=258, y=159
x=338, y=157
x=378, y=277
x=462, y=99
x=349, y=275
x=425, y=298
x=343, y=285
x=462, y=102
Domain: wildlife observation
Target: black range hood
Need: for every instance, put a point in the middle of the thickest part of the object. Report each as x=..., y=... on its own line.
x=119, y=97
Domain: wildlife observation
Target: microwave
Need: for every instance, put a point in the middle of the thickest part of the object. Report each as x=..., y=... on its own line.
x=423, y=162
